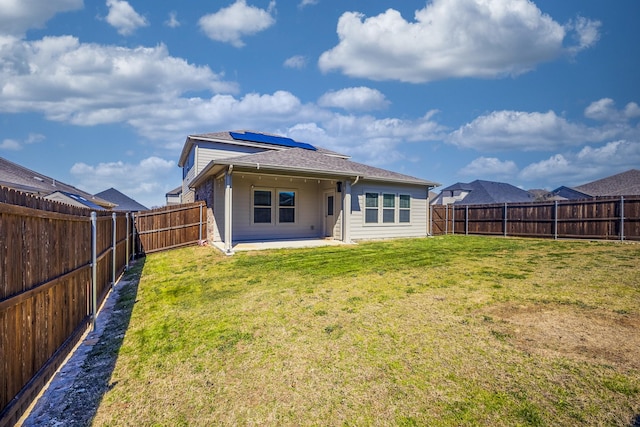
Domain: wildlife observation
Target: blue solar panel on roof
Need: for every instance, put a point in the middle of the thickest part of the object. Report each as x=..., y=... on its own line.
x=269, y=139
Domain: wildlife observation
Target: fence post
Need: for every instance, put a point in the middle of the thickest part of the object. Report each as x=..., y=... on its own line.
x=113, y=249
x=466, y=220
x=621, y=217
x=133, y=233
x=453, y=219
x=200, y=226
x=94, y=272
x=555, y=220
x=504, y=226
x=446, y=219
x=126, y=267
x=430, y=226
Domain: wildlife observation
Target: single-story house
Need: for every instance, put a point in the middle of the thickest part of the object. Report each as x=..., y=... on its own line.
x=481, y=192
x=260, y=186
x=621, y=184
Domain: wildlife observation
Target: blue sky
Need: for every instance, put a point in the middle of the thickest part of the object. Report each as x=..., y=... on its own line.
x=535, y=93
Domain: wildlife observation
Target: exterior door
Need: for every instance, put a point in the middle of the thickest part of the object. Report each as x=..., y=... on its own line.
x=329, y=213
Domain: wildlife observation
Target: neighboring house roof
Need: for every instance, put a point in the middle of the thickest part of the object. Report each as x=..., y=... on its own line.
x=622, y=184
x=312, y=163
x=22, y=179
x=488, y=192
x=123, y=202
x=73, y=199
x=568, y=193
x=251, y=139
x=175, y=192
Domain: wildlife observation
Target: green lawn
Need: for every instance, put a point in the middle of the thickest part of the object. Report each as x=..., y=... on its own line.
x=443, y=331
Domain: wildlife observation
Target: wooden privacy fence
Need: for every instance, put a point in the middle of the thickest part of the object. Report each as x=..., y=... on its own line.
x=610, y=218
x=170, y=227
x=57, y=264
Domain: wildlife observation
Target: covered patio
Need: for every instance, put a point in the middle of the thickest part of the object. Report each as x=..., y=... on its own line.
x=260, y=245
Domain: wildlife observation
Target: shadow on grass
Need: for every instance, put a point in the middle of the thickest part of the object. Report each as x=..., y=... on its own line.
x=84, y=396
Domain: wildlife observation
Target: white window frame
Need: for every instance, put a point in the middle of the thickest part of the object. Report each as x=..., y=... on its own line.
x=275, y=206
x=253, y=207
x=380, y=209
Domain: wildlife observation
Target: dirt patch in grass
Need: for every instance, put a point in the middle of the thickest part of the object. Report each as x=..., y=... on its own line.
x=592, y=335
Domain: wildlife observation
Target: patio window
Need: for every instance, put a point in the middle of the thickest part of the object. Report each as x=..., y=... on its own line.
x=371, y=208
x=388, y=208
x=262, y=204
x=404, y=211
x=286, y=206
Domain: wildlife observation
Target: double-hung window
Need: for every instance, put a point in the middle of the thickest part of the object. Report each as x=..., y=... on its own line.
x=262, y=206
x=404, y=208
x=371, y=208
x=388, y=208
x=286, y=206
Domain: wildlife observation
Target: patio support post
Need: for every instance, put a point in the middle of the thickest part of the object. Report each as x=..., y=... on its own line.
x=228, y=199
x=346, y=212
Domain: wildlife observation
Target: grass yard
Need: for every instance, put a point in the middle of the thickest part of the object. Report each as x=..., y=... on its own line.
x=443, y=331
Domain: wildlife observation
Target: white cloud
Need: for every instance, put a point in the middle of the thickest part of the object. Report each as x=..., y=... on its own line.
x=368, y=139
x=605, y=110
x=506, y=130
x=17, y=16
x=10, y=145
x=587, y=33
x=87, y=84
x=588, y=164
x=490, y=167
x=452, y=38
x=124, y=18
x=297, y=61
x=304, y=3
x=142, y=181
x=231, y=23
x=355, y=98
x=172, y=22
x=15, y=145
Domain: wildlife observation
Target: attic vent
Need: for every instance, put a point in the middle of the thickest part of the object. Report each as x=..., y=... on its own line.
x=37, y=178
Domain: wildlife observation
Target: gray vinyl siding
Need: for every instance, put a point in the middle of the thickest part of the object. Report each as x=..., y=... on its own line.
x=308, y=208
x=206, y=152
x=417, y=227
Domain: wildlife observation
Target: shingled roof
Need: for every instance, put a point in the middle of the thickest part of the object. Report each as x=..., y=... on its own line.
x=303, y=161
x=123, y=202
x=488, y=192
x=23, y=179
x=622, y=184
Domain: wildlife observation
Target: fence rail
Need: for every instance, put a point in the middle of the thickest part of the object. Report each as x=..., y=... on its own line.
x=57, y=264
x=170, y=227
x=609, y=218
